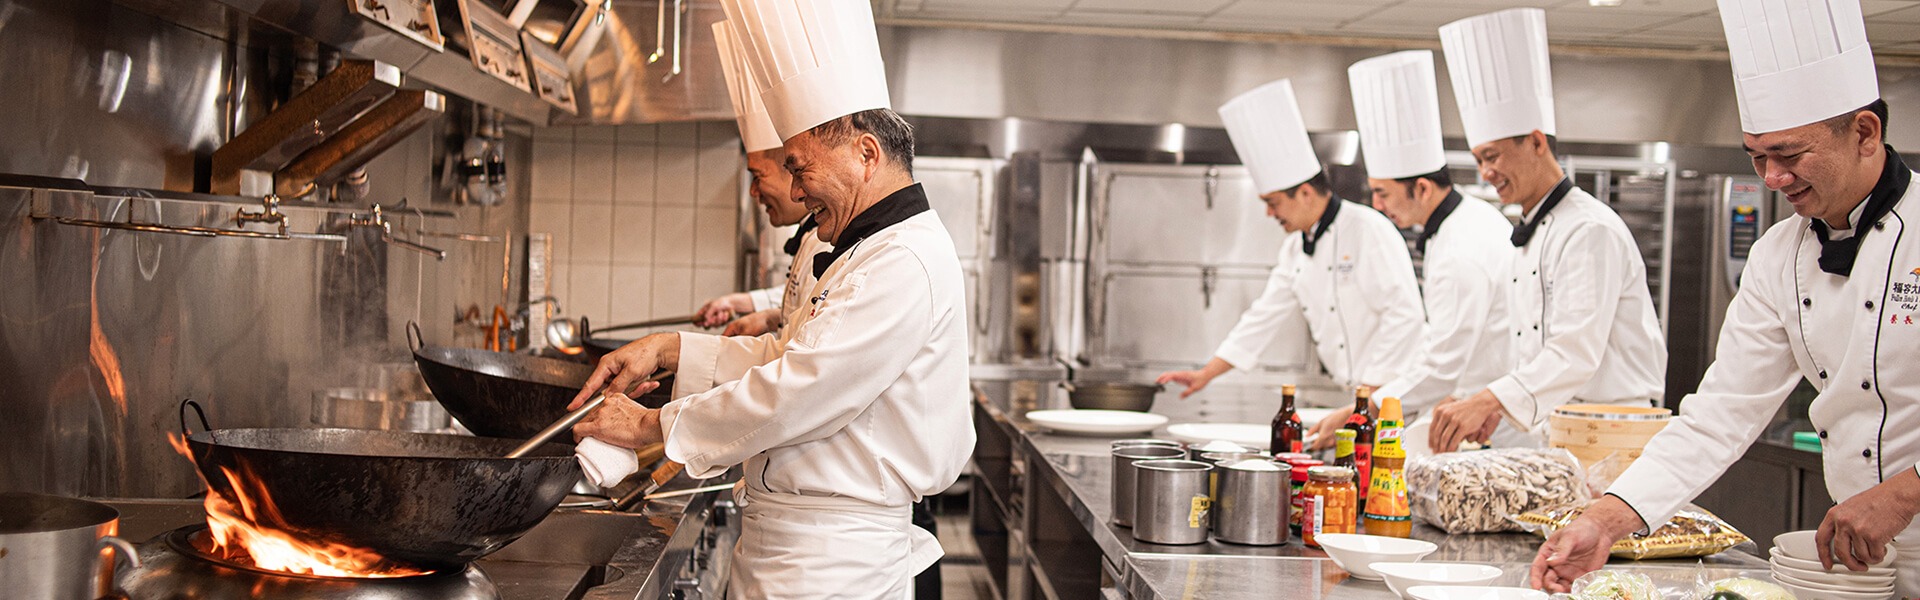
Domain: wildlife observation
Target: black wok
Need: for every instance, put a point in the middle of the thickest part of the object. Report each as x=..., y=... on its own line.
x=420, y=500
x=595, y=348
x=502, y=394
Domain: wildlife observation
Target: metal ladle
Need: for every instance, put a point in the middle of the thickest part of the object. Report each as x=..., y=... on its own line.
x=571, y=419
x=569, y=335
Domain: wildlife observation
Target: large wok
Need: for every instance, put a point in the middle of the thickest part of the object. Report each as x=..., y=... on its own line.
x=502, y=394
x=420, y=500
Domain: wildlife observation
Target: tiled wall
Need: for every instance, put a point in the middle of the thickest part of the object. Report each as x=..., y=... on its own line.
x=644, y=217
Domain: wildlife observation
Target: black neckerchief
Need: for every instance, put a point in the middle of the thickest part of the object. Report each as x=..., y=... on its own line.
x=889, y=211
x=1836, y=256
x=1439, y=216
x=807, y=226
x=1320, y=229
x=1525, y=231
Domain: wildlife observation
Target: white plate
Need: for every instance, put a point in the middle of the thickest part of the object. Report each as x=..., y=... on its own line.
x=1840, y=577
x=1402, y=576
x=1782, y=560
x=1785, y=577
x=1806, y=592
x=1799, y=544
x=1357, y=552
x=1436, y=592
x=1252, y=435
x=1097, y=422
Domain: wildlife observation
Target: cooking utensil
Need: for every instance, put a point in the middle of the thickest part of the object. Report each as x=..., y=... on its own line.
x=659, y=478
x=497, y=394
x=569, y=334
x=1170, y=501
x=50, y=547
x=1123, y=476
x=1108, y=395
x=422, y=500
x=698, y=490
x=1251, y=505
x=573, y=418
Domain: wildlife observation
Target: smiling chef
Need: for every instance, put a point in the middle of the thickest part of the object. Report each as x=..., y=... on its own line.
x=865, y=408
x=1827, y=296
x=1582, y=325
x=1347, y=272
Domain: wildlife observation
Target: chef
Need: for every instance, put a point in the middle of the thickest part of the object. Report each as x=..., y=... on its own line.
x=844, y=425
x=1581, y=319
x=1347, y=273
x=771, y=188
x=1829, y=295
x=1463, y=240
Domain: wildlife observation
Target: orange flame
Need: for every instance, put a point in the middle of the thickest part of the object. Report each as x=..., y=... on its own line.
x=99, y=349
x=248, y=528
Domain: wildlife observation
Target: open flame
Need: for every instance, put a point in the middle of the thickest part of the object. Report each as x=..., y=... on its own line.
x=99, y=350
x=248, y=529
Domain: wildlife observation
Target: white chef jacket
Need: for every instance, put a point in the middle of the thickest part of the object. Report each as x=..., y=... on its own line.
x=799, y=275
x=1854, y=338
x=1357, y=293
x=1583, y=325
x=1467, y=264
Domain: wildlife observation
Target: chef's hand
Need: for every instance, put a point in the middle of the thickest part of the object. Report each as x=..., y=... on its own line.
x=1323, y=432
x=1855, y=533
x=622, y=422
x=718, y=311
x=1583, y=545
x=1195, y=381
x=755, y=324
x=619, y=370
x=1456, y=421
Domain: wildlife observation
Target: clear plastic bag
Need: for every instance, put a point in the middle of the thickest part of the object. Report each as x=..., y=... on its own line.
x=1690, y=533
x=1474, y=492
x=1614, y=585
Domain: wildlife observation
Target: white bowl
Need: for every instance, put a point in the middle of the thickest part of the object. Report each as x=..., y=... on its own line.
x=1356, y=553
x=1800, y=591
x=1441, y=592
x=1782, y=560
x=1401, y=576
x=1833, y=587
x=1799, y=544
x=1840, y=578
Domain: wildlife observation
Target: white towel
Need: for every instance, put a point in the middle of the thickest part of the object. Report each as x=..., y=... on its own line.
x=606, y=465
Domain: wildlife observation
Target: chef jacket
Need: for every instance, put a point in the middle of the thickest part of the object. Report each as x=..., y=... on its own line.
x=1855, y=338
x=863, y=396
x=1582, y=321
x=804, y=245
x=1468, y=260
x=1356, y=291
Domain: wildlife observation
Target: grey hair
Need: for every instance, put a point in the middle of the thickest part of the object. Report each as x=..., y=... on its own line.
x=895, y=135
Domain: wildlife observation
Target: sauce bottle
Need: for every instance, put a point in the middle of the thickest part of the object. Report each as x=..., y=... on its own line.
x=1287, y=431
x=1299, y=496
x=1361, y=423
x=1387, y=512
x=1330, y=504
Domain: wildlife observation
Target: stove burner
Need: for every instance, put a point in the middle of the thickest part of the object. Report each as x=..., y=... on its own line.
x=180, y=564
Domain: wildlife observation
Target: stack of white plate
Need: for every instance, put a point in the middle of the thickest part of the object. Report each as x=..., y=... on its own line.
x=1796, y=566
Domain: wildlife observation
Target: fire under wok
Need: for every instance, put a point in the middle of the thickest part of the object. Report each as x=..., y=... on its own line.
x=420, y=500
x=502, y=394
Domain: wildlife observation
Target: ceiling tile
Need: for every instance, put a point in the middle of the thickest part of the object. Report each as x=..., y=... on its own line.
x=1708, y=25
x=1588, y=21
x=1430, y=15
x=1487, y=6
x=1311, y=10
x=1273, y=25
x=1184, y=7
x=989, y=6
x=1131, y=19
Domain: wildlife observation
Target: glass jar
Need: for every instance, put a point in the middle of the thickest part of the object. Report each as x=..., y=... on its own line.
x=1298, y=496
x=1332, y=501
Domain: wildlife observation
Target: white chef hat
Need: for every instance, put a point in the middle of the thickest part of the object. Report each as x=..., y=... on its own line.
x=815, y=60
x=1498, y=64
x=1397, y=105
x=1797, y=62
x=1270, y=136
x=756, y=129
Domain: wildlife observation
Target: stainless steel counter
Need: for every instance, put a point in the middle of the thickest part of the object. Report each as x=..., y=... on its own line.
x=1072, y=477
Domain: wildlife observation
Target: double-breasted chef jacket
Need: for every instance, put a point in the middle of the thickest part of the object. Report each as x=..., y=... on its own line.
x=1356, y=290
x=803, y=246
x=1856, y=338
x=1582, y=322
x=855, y=410
x=1468, y=258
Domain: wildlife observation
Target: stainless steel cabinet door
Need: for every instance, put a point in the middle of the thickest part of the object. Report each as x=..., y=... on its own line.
x=1168, y=317
x=1182, y=215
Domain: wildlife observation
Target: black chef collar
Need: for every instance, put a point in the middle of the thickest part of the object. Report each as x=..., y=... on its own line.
x=807, y=226
x=1312, y=236
x=889, y=211
x=1836, y=256
x=1524, y=232
x=1452, y=201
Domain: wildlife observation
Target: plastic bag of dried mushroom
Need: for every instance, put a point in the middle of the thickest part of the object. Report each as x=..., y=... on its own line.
x=1474, y=492
x=1692, y=532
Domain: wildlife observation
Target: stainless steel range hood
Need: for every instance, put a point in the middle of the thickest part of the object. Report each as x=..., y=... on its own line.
x=342, y=121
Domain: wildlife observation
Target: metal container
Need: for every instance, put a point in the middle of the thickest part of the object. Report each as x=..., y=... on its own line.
x=50, y=547
x=1199, y=452
x=1123, y=476
x=1252, y=502
x=1118, y=444
x=367, y=408
x=1171, y=502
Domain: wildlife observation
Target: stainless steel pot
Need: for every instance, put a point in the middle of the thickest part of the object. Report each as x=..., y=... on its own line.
x=50, y=547
x=368, y=408
x=1171, y=504
x=1252, y=503
x=1123, y=476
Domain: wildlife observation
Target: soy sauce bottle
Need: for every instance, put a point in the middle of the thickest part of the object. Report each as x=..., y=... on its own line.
x=1287, y=431
x=1361, y=423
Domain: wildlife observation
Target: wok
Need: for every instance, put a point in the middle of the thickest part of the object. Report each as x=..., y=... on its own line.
x=600, y=347
x=422, y=500
x=501, y=394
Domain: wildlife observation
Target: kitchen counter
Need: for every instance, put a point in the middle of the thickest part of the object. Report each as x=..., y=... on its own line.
x=1074, y=474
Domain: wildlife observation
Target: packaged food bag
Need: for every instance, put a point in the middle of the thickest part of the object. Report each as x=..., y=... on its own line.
x=1474, y=492
x=1690, y=533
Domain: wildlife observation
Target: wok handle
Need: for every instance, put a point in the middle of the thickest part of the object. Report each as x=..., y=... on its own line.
x=415, y=340
x=565, y=423
x=186, y=404
x=659, y=478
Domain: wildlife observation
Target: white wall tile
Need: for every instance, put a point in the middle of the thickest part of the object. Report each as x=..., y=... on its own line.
x=553, y=134
x=552, y=170
x=592, y=172
x=594, y=133
x=556, y=219
x=633, y=235
x=637, y=135
x=678, y=182
x=562, y=286
x=715, y=236
x=633, y=175
x=630, y=297
x=678, y=134
x=719, y=176
x=719, y=133
x=592, y=234
x=588, y=290
x=673, y=291
x=673, y=236
x=709, y=282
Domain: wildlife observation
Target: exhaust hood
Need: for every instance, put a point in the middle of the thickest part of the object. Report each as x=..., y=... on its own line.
x=342, y=121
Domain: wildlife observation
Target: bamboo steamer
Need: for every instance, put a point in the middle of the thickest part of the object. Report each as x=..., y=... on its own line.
x=1593, y=432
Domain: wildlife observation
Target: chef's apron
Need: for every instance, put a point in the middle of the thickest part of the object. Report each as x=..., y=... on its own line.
x=794, y=546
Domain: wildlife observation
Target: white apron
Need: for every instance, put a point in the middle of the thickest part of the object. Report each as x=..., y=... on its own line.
x=825, y=547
